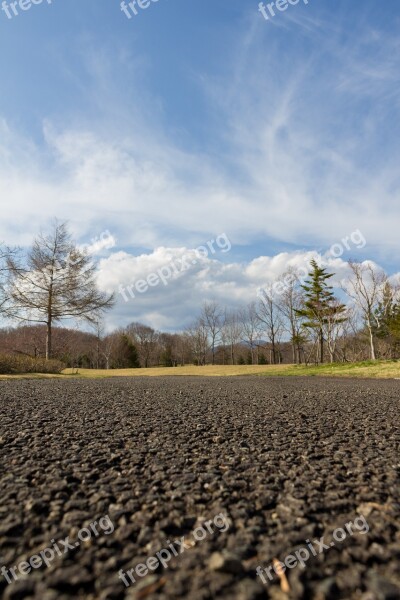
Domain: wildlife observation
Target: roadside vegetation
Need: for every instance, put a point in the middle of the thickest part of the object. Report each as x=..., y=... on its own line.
x=14, y=364
x=373, y=369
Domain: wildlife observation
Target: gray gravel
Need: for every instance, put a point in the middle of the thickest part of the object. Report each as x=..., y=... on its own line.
x=285, y=460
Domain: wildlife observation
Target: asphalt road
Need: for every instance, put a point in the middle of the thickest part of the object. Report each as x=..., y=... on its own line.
x=182, y=487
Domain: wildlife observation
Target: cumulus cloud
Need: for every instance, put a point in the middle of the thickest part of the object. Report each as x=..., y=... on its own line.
x=172, y=304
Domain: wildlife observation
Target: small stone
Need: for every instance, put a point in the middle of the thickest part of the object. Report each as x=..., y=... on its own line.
x=383, y=588
x=19, y=590
x=225, y=563
x=248, y=589
x=70, y=578
x=364, y=509
x=327, y=589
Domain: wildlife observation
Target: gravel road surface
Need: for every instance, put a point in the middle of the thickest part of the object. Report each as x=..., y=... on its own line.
x=222, y=474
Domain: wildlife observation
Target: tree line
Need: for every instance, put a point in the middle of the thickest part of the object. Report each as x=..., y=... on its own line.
x=291, y=320
x=304, y=322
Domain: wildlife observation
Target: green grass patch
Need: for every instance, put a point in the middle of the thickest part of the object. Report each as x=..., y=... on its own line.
x=379, y=369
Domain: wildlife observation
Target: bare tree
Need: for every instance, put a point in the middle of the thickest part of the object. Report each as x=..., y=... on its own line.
x=98, y=326
x=56, y=282
x=269, y=315
x=365, y=287
x=352, y=348
x=289, y=302
x=212, y=317
x=251, y=334
x=108, y=347
x=197, y=337
x=333, y=327
x=232, y=332
x=145, y=339
x=6, y=254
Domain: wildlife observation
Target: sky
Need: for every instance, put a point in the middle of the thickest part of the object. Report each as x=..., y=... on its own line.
x=195, y=121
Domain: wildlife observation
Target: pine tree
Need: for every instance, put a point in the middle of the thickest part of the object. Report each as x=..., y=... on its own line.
x=387, y=318
x=321, y=307
x=167, y=357
x=384, y=313
x=129, y=354
x=262, y=360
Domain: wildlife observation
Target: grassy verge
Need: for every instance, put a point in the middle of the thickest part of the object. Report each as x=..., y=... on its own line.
x=33, y=376
x=208, y=371
x=376, y=370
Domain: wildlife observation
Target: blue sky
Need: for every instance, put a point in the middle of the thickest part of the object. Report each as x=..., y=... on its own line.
x=195, y=118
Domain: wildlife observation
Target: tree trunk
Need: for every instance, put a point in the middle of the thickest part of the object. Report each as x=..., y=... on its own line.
x=371, y=338
x=98, y=354
x=299, y=349
x=49, y=319
x=321, y=345
x=273, y=352
x=48, y=341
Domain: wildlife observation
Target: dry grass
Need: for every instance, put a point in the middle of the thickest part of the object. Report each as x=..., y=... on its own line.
x=379, y=369
x=33, y=376
x=190, y=370
x=376, y=370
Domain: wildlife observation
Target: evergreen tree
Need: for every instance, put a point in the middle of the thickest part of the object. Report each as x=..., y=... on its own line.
x=262, y=360
x=384, y=313
x=128, y=353
x=387, y=318
x=320, y=306
x=167, y=357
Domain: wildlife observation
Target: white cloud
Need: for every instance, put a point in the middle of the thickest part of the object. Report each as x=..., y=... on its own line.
x=97, y=244
x=174, y=304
